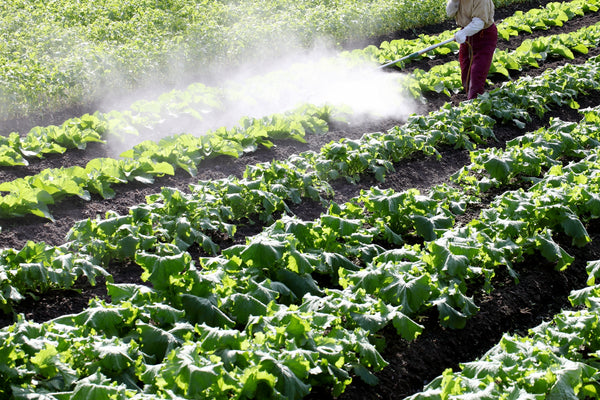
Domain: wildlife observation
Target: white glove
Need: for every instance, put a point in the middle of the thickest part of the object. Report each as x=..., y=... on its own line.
x=452, y=7
x=474, y=26
x=460, y=36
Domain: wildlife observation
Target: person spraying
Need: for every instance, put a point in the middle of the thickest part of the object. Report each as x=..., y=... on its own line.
x=477, y=38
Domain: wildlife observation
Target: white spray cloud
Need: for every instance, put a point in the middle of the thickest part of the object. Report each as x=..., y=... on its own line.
x=317, y=77
x=366, y=89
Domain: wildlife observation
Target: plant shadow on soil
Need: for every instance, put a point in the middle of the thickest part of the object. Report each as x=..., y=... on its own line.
x=541, y=292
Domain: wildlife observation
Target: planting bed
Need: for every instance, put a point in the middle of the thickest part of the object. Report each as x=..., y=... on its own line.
x=540, y=294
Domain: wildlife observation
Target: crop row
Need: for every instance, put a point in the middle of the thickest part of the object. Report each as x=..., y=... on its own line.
x=557, y=359
x=525, y=157
x=32, y=194
x=143, y=118
x=553, y=14
x=445, y=78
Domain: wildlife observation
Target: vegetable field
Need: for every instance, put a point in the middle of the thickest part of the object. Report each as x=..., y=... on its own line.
x=452, y=253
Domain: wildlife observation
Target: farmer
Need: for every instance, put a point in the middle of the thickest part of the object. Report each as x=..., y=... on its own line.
x=477, y=39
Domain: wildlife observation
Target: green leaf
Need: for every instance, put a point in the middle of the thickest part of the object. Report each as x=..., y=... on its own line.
x=563, y=51
x=106, y=320
x=336, y=261
x=263, y=252
x=10, y=157
x=342, y=226
x=161, y=271
x=255, y=381
x=97, y=387
x=156, y=342
x=406, y=327
x=449, y=316
x=370, y=357
x=243, y=306
x=455, y=265
x=520, y=124
x=198, y=379
x=553, y=252
x=113, y=356
x=498, y=169
x=298, y=284
x=580, y=48
x=582, y=296
x=425, y=227
x=215, y=338
x=593, y=270
x=481, y=368
x=369, y=279
x=366, y=375
x=160, y=169
x=409, y=292
x=200, y=310
x=45, y=361
x=568, y=378
x=288, y=384
x=575, y=229
x=301, y=263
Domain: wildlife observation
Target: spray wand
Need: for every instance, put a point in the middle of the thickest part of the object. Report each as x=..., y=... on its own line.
x=418, y=53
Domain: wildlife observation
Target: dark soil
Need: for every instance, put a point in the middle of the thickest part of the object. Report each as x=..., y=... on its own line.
x=541, y=292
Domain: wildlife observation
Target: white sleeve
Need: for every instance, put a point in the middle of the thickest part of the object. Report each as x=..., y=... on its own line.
x=452, y=8
x=474, y=26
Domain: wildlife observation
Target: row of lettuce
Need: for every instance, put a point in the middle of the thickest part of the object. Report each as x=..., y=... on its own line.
x=559, y=359
x=33, y=194
x=255, y=320
x=553, y=14
x=445, y=78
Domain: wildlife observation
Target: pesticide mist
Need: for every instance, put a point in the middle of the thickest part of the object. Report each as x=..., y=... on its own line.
x=370, y=92
x=318, y=79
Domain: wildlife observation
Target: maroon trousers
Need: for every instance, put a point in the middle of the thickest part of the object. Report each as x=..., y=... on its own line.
x=475, y=57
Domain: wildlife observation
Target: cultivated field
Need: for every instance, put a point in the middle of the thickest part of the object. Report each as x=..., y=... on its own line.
x=193, y=244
